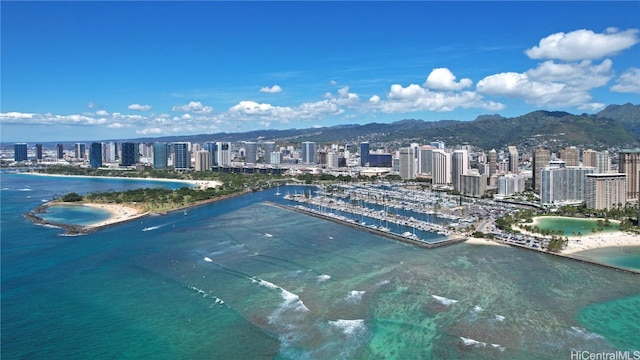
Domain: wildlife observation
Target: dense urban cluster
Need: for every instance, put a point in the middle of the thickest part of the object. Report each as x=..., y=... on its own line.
x=546, y=177
x=478, y=193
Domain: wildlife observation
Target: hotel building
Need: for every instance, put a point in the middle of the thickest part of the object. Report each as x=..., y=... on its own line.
x=605, y=191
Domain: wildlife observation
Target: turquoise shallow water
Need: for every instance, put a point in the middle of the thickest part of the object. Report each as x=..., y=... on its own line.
x=241, y=279
x=75, y=215
x=624, y=257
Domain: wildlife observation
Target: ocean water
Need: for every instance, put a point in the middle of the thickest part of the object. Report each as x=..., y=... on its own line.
x=242, y=279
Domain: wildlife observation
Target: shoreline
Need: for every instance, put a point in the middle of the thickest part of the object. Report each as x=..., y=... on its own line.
x=200, y=184
x=120, y=213
x=589, y=241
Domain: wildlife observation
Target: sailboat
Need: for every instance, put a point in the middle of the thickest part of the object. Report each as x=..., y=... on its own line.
x=277, y=190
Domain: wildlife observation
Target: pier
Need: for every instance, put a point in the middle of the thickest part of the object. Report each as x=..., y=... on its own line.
x=407, y=240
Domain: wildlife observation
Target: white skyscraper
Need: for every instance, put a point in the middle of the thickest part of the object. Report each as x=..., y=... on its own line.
x=407, y=161
x=441, y=167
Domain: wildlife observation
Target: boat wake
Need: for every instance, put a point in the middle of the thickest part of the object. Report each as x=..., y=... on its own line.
x=268, y=235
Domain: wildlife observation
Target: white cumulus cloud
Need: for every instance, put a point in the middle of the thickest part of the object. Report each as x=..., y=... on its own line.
x=139, y=107
x=443, y=79
x=551, y=84
x=271, y=90
x=102, y=113
x=195, y=107
x=628, y=82
x=583, y=44
x=247, y=110
x=415, y=98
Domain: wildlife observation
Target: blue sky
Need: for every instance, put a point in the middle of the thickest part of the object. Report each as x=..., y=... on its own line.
x=117, y=70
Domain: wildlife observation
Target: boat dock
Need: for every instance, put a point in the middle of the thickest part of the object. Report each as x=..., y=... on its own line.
x=407, y=240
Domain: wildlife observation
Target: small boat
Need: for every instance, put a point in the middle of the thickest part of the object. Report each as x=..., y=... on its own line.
x=185, y=213
x=277, y=191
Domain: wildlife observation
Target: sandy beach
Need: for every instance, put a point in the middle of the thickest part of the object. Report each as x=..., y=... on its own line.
x=592, y=241
x=600, y=240
x=119, y=213
x=483, y=241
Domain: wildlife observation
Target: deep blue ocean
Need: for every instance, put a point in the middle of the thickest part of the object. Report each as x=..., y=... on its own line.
x=243, y=279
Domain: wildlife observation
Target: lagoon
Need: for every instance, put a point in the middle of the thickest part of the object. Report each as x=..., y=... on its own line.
x=573, y=226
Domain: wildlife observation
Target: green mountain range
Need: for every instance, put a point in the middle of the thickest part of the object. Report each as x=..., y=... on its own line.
x=615, y=126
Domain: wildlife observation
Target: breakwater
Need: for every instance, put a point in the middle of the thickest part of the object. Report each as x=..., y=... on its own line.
x=423, y=244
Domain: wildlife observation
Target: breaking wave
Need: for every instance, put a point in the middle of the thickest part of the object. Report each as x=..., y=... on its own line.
x=290, y=298
x=349, y=327
x=443, y=300
x=355, y=296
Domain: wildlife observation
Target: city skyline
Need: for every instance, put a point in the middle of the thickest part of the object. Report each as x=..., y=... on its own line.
x=85, y=70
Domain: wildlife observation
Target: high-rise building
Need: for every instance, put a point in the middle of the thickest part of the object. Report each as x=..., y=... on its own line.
x=425, y=159
x=80, y=150
x=203, y=160
x=181, y=156
x=473, y=184
x=275, y=158
x=598, y=159
x=332, y=159
x=570, y=155
x=129, y=154
x=39, y=152
x=441, y=167
x=459, y=167
x=605, y=191
x=513, y=160
x=407, y=161
x=364, y=154
x=510, y=184
x=20, y=152
x=563, y=184
x=95, y=155
x=603, y=162
x=250, y=152
x=60, y=150
x=224, y=154
x=160, y=158
x=437, y=144
x=541, y=158
x=629, y=163
x=268, y=147
x=212, y=148
x=380, y=160
x=493, y=162
x=589, y=157
x=308, y=152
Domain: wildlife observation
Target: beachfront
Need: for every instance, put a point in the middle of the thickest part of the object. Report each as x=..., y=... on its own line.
x=119, y=213
x=590, y=241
